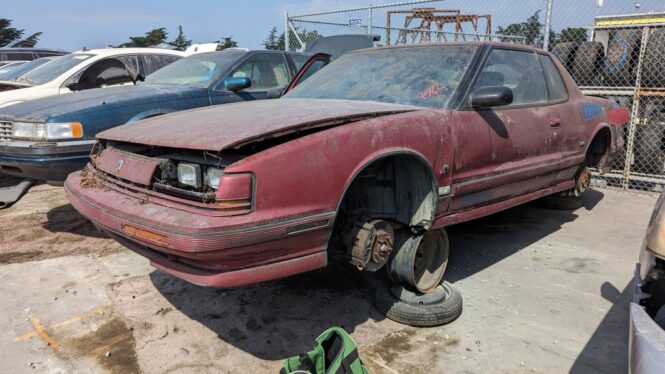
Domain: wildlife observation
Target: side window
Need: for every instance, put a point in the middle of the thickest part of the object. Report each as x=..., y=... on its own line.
x=555, y=83
x=517, y=70
x=266, y=70
x=152, y=63
x=106, y=72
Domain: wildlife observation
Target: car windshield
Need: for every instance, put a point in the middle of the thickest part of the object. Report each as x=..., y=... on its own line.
x=53, y=69
x=10, y=67
x=198, y=70
x=22, y=69
x=419, y=75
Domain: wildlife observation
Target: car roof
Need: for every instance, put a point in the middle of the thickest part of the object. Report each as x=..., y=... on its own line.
x=11, y=49
x=123, y=51
x=476, y=43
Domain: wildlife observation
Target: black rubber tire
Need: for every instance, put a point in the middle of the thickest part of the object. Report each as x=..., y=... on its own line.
x=620, y=65
x=653, y=66
x=565, y=52
x=587, y=63
x=650, y=142
x=435, y=314
x=559, y=202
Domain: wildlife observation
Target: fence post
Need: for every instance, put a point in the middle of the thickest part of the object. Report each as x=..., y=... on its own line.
x=548, y=25
x=286, y=30
x=369, y=19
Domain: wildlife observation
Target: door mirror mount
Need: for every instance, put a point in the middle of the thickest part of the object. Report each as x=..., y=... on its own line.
x=491, y=96
x=275, y=93
x=237, y=83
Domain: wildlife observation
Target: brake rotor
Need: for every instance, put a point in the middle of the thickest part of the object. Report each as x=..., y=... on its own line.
x=583, y=180
x=372, y=244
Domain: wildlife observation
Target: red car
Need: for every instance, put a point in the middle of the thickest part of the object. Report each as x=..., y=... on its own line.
x=366, y=161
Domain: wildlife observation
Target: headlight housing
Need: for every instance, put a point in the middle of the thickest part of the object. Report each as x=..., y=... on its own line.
x=213, y=176
x=46, y=131
x=189, y=175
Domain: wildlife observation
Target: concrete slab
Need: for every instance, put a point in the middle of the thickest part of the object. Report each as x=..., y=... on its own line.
x=544, y=291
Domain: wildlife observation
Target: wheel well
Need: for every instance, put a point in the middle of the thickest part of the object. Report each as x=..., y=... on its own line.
x=598, y=150
x=397, y=188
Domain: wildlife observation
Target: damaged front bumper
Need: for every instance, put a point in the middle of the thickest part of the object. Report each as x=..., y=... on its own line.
x=200, y=247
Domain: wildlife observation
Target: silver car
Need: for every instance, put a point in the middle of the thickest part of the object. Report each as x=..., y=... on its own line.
x=647, y=310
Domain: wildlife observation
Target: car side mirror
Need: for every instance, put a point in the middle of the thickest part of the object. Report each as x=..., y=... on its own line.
x=237, y=83
x=491, y=96
x=74, y=86
x=275, y=93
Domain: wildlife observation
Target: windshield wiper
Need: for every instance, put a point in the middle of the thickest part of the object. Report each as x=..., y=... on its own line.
x=23, y=80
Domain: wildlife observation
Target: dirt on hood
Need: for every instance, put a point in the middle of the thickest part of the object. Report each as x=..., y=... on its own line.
x=232, y=125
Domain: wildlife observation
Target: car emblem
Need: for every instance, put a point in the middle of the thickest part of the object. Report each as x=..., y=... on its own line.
x=119, y=166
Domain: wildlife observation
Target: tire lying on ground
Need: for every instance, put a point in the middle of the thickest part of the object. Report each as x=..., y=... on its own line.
x=653, y=66
x=436, y=308
x=565, y=52
x=587, y=63
x=620, y=65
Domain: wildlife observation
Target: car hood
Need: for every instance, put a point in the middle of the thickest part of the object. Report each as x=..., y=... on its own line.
x=52, y=106
x=233, y=125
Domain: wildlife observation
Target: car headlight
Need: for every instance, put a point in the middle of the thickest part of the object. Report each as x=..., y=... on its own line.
x=189, y=174
x=46, y=131
x=213, y=175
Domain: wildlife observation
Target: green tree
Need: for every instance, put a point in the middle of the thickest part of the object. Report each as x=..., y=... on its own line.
x=227, y=42
x=272, y=42
x=152, y=37
x=181, y=42
x=531, y=30
x=10, y=34
x=572, y=34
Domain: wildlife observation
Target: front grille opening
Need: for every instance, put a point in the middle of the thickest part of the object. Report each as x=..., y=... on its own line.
x=165, y=179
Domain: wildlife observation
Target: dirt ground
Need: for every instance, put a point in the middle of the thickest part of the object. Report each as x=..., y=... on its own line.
x=544, y=291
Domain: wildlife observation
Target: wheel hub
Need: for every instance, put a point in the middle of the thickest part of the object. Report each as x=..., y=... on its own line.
x=372, y=245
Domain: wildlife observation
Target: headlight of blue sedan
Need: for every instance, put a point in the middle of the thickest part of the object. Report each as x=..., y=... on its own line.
x=46, y=131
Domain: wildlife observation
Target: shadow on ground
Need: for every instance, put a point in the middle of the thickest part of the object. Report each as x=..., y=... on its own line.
x=606, y=351
x=277, y=319
x=478, y=244
x=65, y=218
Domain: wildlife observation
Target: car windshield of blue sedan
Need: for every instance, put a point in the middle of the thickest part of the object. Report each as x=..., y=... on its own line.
x=422, y=76
x=198, y=70
x=53, y=69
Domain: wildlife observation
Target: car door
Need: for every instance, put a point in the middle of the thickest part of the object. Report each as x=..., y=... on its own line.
x=507, y=151
x=266, y=71
x=564, y=113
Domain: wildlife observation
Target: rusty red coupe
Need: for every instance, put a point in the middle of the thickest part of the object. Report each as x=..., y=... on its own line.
x=367, y=161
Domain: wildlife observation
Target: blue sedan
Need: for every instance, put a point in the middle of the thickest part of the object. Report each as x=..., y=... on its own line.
x=46, y=139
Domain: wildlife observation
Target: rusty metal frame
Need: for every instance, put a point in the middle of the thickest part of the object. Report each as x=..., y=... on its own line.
x=440, y=18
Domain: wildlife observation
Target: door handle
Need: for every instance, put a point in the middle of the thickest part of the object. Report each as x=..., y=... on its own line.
x=555, y=123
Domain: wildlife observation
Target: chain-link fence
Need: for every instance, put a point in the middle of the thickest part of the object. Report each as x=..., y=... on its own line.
x=612, y=48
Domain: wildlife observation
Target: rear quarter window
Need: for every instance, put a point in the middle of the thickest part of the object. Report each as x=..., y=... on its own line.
x=152, y=63
x=557, y=88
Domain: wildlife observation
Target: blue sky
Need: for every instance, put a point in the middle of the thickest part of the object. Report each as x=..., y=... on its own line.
x=73, y=24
